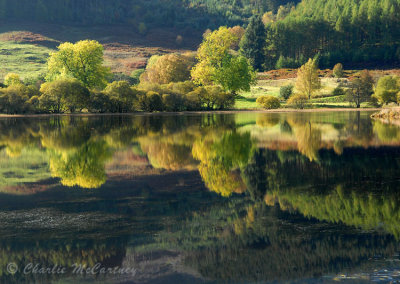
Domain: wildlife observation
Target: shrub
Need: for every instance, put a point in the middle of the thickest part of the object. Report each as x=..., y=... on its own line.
x=338, y=91
x=374, y=101
x=151, y=101
x=299, y=101
x=33, y=103
x=225, y=101
x=101, y=103
x=122, y=77
x=338, y=70
x=12, y=79
x=122, y=96
x=173, y=102
x=14, y=99
x=37, y=80
x=286, y=91
x=135, y=75
x=63, y=95
x=269, y=102
x=193, y=99
x=209, y=96
x=181, y=88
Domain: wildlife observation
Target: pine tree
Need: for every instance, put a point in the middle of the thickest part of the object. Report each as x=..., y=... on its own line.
x=254, y=41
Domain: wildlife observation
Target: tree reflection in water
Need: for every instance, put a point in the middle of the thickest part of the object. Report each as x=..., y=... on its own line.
x=309, y=194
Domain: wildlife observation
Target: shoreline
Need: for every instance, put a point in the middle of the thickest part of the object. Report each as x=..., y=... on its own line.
x=190, y=112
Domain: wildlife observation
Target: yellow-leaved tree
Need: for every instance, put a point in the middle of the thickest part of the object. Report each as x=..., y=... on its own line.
x=82, y=61
x=307, y=79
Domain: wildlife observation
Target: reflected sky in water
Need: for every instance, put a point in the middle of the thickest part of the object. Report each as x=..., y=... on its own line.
x=233, y=198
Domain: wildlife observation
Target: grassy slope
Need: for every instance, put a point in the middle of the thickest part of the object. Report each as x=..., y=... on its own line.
x=269, y=83
x=24, y=47
x=272, y=86
x=27, y=60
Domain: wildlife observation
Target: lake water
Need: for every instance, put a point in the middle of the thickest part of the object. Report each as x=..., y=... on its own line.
x=208, y=198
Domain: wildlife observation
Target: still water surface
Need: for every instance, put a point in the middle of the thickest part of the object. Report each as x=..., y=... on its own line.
x=212, y=198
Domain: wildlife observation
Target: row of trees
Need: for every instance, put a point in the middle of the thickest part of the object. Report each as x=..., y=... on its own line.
x=77, y=80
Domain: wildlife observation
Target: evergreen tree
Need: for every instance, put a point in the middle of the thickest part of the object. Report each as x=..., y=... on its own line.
x=254, y=41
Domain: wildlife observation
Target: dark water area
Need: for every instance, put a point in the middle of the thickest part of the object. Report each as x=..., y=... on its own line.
x=208, y=198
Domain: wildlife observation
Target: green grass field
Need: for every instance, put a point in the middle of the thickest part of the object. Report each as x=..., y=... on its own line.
x=27, y=60
x=324, y=97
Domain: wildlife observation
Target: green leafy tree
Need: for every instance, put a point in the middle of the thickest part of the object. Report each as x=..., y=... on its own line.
x=286, y=91
x=82, y=61
x=151, y=101
x=254, y=42
x=235, y=75
x=211, y=54
x=218, y=66
x=13, y=99
x=121, y=95
x=66, y=94
x=361, y=89
x=387, y=89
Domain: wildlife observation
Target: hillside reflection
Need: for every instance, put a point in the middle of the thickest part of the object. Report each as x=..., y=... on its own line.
x=245, y=197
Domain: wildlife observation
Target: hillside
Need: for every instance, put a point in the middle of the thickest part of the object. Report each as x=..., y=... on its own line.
x=358, y=33
x=199, y=14
x=25, y=45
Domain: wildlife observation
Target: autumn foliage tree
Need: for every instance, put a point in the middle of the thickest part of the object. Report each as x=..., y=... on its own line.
x=169, y=68
x=307, y=79
x=338, y=70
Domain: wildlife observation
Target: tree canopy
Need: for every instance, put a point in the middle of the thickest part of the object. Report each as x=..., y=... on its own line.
x=217, y=65
x=82, y=61
x=307, y=78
